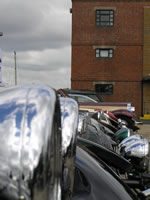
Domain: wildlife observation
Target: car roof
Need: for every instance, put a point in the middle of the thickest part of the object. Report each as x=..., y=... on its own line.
x=80, y=91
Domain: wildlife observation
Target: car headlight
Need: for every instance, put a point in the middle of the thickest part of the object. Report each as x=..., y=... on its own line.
x=139, y=149
x=129, y=140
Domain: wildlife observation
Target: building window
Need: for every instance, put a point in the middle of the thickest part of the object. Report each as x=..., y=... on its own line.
x=104, y=17
x=104, y=89
x=104, y=53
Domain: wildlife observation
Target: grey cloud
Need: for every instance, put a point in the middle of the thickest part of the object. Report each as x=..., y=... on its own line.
x=51, y=59
x=30, y=26
x=40, y=32
x=55, y=79
x=18, y=17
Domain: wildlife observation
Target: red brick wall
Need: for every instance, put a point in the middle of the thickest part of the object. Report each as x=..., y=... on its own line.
x=126, y=66
x=127, y=29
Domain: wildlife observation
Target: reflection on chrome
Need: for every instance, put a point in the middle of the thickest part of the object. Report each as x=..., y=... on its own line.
x=127, y=141
x=129, y=132
x=80, y=124
x=29, y=144
x=139, y=149
x=83, y=121
x=69, y=123
x=146, y=192
x=69, y=119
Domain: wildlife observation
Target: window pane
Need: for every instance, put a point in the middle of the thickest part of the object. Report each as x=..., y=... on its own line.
x=104, y=23
x=104, y=89
x=104, y=53
x=84, y=99
x=105, y=18
x=105, y=12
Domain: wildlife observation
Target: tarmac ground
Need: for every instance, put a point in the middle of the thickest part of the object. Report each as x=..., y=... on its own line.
x=144, y=129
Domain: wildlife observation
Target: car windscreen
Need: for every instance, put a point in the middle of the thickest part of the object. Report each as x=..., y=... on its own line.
x=82, y=98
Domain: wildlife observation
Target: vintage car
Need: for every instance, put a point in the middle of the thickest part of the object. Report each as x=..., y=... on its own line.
x=39, y=154
x=91, y=96
x=37, y=144
x=91, y=101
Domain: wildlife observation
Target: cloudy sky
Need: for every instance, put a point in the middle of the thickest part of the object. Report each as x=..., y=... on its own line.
x=40, y=33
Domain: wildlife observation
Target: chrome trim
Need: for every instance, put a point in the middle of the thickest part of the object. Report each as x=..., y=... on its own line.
x=138, y=122
x=84, y=120
x=69, y=123
x=129, y=132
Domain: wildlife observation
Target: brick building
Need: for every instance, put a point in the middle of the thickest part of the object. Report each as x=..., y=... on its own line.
x=111, y=50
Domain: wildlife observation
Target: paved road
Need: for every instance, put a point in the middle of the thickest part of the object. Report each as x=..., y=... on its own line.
x=145, y=129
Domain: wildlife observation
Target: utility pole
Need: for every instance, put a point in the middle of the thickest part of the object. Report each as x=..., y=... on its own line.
x=15, y=68
x=1, y=34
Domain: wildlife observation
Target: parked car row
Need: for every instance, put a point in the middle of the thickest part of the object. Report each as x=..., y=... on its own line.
x=92, y=101
x=51, y=150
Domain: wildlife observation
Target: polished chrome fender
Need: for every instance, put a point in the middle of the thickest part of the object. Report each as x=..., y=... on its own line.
x=30, y=142
x=69, y=122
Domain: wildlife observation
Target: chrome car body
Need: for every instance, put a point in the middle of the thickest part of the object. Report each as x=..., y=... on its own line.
x=26, y=140
x=34, y=155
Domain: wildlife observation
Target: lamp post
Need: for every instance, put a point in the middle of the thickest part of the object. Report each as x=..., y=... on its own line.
x=15, y=68
x=1, y=34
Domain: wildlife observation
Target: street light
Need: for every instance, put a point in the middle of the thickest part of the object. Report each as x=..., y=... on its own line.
x=1, y=84
x=15, y=68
